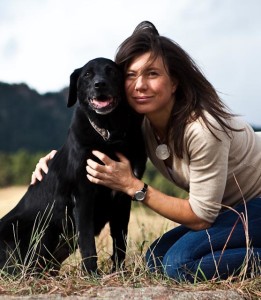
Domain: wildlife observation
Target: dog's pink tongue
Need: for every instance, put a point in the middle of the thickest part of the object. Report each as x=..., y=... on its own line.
x=101, y=104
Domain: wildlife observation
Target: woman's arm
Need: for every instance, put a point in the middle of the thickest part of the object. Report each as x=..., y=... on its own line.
x=175, y=209
x=119, y=176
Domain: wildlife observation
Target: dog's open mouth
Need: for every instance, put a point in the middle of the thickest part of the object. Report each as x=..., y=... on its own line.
x=103, y=104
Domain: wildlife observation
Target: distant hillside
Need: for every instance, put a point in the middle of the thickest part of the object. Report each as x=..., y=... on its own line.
x=31, y=121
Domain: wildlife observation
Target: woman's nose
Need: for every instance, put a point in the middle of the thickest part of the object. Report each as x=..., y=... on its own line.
x=140, y=83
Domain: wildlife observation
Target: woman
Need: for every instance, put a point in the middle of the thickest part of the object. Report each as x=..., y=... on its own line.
x=197, y=144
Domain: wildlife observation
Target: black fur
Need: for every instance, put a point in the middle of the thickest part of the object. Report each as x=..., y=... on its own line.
x=65, y=199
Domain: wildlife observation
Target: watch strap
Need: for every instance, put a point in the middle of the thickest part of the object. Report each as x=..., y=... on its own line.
x=145, y=187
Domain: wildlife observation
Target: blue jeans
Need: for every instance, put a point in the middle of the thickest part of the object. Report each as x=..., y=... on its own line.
x=219, y=251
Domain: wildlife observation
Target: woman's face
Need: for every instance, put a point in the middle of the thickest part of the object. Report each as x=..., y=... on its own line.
x=149, y=88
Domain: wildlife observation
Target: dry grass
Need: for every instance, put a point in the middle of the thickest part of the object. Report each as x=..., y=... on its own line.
x=9, y=197
x=144, y=227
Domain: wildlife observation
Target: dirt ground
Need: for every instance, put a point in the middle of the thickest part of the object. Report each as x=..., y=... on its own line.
x=148, y=293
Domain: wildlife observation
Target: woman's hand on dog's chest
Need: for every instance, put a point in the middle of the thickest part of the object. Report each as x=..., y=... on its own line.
x=116, y=175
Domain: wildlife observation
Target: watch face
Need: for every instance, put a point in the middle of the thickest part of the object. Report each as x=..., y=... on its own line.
x=140, y=195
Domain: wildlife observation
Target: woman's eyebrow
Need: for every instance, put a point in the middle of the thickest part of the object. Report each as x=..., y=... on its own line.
x=152, y=68
x=145, y=68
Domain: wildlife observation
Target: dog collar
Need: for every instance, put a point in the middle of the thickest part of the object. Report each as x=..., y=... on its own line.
x=104, y=133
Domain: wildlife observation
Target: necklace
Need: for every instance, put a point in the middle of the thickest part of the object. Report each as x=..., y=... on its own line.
x=162, y=151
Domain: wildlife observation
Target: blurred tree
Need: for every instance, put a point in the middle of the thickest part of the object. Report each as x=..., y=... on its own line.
x=16, y=168
x=5, y=170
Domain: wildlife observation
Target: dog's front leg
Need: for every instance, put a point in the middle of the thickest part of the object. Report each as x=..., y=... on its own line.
x=119, y=228
x=85, y=228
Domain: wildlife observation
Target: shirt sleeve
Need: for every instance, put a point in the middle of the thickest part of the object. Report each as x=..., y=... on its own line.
x=208, y=168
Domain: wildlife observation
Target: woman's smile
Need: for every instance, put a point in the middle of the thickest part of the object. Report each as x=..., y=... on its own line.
x=142, y=99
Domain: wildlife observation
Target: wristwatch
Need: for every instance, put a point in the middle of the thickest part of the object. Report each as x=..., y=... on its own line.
x=140, y=195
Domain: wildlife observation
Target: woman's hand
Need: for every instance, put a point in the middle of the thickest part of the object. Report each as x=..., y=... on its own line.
x=116, y=175
x=42, y=166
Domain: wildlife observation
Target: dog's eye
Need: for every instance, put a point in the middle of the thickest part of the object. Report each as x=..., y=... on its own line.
x=88, y=74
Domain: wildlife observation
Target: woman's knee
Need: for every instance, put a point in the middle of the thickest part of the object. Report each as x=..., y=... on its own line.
x=161, y=246
x=154, y=255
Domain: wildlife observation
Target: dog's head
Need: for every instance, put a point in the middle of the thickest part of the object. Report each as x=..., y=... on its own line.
x=98, y=85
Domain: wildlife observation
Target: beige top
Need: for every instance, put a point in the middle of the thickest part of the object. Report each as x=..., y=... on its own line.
x=213, y=172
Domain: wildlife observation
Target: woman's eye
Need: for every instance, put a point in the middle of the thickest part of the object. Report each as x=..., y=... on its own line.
x=130, y=75
x=152, y=74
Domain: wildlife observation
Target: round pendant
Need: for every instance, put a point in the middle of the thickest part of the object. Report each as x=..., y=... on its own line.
x=162, y=151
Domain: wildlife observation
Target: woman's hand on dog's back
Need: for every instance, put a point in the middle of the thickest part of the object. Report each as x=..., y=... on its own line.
x=42, y=166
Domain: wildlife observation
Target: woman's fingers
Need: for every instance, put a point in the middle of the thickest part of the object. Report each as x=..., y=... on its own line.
x=42, y=166
x=93, y=179
x=122, y=158
x=92, y=171
x=116, y=175
x=52, y=154
x=33, y=178
x=100, y=170
x=97, y=170
x=103, y=157
x=37, y=175
x=100, y=173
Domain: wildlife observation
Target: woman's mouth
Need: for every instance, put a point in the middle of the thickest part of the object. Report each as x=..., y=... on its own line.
x=142, y=99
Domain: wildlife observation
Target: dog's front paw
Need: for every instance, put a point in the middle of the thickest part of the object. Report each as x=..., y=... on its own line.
x=89, y=266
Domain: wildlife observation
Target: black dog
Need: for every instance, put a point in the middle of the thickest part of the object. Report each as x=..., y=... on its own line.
x=43, y=223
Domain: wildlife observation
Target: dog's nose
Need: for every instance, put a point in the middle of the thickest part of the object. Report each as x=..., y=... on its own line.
x=99, y=84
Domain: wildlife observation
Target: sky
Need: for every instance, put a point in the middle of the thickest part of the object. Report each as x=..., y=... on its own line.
x=43, y=41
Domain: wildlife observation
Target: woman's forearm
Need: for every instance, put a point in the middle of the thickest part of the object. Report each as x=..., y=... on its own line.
x=175, y=209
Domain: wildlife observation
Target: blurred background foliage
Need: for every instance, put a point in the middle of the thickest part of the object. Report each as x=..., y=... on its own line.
x=16, y=169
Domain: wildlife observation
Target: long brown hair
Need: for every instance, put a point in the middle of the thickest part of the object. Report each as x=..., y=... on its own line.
x=194, y=95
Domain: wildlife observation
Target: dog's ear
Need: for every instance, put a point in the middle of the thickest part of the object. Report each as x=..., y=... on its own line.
x=72, y=98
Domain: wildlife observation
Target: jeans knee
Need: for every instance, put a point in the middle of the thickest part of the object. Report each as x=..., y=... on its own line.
x=171, y=268
x=152, y=260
